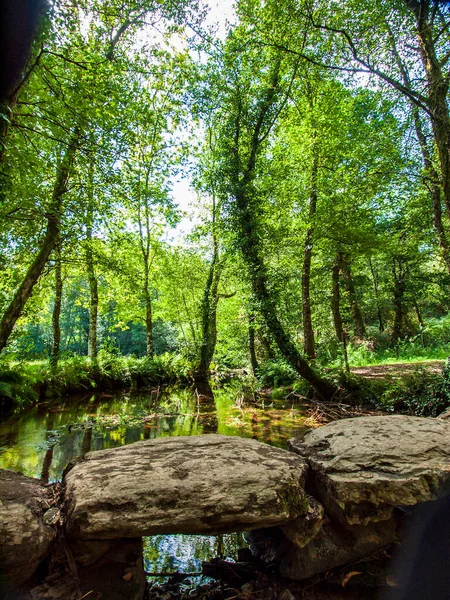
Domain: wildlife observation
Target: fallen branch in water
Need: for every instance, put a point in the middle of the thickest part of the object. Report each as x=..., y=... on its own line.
x=322, y=412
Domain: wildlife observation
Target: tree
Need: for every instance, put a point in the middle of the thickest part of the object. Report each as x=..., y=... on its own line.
x=246, y=129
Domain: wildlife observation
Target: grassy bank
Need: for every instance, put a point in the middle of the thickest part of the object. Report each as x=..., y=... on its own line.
x=418, y=392
x=22, y=383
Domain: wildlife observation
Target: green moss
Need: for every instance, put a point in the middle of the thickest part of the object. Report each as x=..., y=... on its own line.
x=294, y=504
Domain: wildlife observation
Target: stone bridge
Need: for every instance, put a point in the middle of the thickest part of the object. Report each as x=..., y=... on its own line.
x=358, y=470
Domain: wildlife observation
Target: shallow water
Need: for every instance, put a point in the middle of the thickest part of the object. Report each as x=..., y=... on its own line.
x=42, y=441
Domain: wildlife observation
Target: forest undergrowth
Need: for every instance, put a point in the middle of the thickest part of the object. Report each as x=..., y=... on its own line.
x=418, y=391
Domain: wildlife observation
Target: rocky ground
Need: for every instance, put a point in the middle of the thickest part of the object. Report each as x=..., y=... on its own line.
x=346, y=493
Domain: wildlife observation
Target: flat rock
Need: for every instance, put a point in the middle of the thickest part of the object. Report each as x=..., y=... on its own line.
x=198, y=484
x=24, y=537
x=362, y=468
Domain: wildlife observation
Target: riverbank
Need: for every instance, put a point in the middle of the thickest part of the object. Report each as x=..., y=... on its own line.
x=421, y=389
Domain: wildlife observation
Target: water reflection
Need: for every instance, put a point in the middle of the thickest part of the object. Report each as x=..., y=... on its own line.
x=185, y=553
x=42, y=441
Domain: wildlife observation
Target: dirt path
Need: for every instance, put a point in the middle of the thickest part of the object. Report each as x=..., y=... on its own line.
x=398, y=370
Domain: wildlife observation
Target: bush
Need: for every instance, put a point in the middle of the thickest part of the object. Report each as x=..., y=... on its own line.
x=25, y=382
x=16, y=387
x=276, y=373
x=421, y=393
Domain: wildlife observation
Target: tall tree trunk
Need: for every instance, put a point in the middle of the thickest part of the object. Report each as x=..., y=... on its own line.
x=377, y=298
x=148, y=317
x=145, y=249
x=355, y=311
x=267, y=307
x=251, y=344
x=145, y=243
x=23, y=293
x=308, y=332
x=249, y=238
x=56, y=326
x=399, y=272
x=430, y=171
x=209, y=317
x=435, y=189
x=210, y=301
x=93, y=283
x=438, y=84
x=18, y=26
x=336, y=308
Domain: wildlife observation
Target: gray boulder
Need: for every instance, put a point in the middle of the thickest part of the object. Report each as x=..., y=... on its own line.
x=25, y=539
x=362, y=468
x=334, y=546
x=199, y=484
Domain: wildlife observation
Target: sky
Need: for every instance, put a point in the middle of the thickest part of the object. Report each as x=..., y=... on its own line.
x=220, y=11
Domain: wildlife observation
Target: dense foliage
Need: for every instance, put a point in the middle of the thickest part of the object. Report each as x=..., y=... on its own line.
x=315, y=139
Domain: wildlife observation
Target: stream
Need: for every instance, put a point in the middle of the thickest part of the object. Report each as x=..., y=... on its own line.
x=43, y=440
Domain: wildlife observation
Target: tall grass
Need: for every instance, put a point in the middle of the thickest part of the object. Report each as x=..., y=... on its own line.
x=24, y=382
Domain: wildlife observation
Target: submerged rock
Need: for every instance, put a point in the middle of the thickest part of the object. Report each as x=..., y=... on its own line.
x=198, y=484
x=25, y=539
x=362, y=468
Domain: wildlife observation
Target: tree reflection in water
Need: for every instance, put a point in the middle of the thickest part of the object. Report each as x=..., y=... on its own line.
x=43, y=440
x=185, y=553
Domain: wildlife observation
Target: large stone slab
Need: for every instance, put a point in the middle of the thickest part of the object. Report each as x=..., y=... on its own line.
x=25, y=538
x=199, y=484
x=362, y=468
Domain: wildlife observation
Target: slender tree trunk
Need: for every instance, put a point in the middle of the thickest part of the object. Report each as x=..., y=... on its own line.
x=266, y=342
x=377, y=298
x=421, y=322
x=355, y=311
x=90, y=267
x=251, y=344
x=336, y=309
x=209, y=318
x=93, y=312
x=435, y=187
x=399, y=273
x=54, y=358
x=209, y=304
x=308, y=332
x=23, y=293
x=148, y=318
